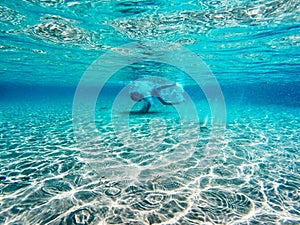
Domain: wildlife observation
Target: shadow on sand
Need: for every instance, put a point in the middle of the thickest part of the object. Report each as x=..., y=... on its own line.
x=140, y=113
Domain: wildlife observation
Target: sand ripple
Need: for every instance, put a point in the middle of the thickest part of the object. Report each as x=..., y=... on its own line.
x=249, y=176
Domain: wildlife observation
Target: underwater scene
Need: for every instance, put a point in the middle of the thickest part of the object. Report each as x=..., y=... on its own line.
x=149, y=112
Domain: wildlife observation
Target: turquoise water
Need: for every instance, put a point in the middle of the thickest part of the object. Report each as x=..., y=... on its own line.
x=75, y=150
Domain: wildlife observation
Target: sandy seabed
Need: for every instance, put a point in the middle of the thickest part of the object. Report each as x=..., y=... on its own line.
x=247, y=175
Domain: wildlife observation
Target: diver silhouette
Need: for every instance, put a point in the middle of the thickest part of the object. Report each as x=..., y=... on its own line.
x=145, y=91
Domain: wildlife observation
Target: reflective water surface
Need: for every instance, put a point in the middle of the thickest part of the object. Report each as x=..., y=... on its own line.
x=148, y=171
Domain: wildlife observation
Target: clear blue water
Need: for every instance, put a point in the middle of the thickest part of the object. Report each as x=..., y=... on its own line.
x=71, y=155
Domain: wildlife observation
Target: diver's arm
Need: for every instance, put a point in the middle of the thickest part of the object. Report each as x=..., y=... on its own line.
x=167, y=103
x=164, y=102
x=178, y=90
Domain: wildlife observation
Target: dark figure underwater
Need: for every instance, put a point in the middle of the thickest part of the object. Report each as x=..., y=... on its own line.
x=145, y=91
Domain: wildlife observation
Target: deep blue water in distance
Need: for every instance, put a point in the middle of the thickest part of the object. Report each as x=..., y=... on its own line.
x=63, y=163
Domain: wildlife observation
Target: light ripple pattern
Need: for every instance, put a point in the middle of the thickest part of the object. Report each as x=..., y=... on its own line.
x=186, y=22
x=60, y=30
x=248, y=176
x=252, y=179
